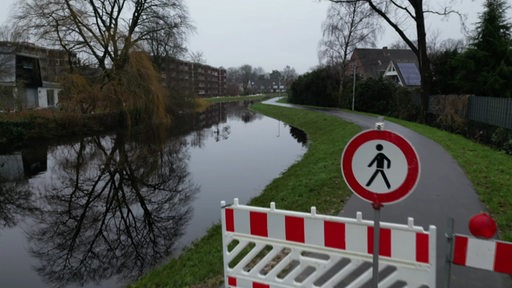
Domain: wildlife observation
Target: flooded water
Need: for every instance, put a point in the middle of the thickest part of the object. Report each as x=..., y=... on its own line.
x=100, y=211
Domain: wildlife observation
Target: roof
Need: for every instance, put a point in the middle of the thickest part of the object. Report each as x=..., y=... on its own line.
x=404, y=73
x=409, y=73
x=373, y=62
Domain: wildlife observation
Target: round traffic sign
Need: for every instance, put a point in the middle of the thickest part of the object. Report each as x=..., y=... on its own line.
x=380, y=166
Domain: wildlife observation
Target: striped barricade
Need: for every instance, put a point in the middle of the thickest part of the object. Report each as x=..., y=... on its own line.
x=265, y=247
x=492, y=255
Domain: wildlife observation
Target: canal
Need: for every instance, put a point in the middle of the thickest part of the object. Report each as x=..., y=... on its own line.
x=100, y=211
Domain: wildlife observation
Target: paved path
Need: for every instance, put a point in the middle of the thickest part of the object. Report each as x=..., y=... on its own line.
x=443, y=191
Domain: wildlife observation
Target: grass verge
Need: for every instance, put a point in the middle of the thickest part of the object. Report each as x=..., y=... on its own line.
x=314, y=181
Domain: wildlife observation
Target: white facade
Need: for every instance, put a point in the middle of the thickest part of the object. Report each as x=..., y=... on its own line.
x=33, y=71
x=47, y=97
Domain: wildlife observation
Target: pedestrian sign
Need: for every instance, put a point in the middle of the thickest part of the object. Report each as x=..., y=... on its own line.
x=380, y=166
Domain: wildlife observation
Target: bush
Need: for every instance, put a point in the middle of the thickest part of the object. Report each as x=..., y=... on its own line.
x=450, y=112
x=502, y=139
x=318, y=88
x=19, y=128
x=375, y=96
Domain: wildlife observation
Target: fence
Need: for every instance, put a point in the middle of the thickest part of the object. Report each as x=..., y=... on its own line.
x=489, y=110
x=265, y=247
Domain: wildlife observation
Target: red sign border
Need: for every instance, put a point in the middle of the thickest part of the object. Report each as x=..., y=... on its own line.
x=413, y=170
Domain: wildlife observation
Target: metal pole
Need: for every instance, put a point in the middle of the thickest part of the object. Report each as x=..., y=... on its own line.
x=449, y=238
x=279, y=85
x=376, y=244
x=353, y=85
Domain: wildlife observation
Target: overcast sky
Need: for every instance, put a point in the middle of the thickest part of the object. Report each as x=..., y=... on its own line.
x=276, y=33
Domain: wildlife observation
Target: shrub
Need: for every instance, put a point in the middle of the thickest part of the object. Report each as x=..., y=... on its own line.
x=450, y=112
x=319, y=88
x=375, y=96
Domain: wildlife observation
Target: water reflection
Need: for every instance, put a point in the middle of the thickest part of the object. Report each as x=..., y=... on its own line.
x=15, y=195
x=108, y=207
x=299, y=135
x=113, y=207
x=116, y=206
x=15, y=203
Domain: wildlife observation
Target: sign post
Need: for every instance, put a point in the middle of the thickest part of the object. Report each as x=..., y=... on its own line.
x=381, y=167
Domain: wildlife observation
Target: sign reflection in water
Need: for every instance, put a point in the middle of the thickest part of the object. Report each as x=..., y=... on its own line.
x=112, y=207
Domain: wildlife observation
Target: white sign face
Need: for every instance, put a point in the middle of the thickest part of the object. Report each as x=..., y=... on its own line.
x=380, y=166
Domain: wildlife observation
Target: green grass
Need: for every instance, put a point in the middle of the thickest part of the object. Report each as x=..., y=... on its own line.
x=314, y=181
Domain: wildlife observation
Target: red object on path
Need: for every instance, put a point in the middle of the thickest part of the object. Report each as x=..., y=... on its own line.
x=482, y=226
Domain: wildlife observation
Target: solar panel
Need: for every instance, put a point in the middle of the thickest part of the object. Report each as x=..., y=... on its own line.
x=410, y=74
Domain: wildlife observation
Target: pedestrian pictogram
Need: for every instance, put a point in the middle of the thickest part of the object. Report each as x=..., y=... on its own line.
x=380, y=166
x=379, y=161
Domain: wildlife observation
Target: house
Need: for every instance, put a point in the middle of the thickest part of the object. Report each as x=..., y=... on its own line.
x=29, y=74
x=373, y=63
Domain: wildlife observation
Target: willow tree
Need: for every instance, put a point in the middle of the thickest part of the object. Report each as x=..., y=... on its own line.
x=104, y=33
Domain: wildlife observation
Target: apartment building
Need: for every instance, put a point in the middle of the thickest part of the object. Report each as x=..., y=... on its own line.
x=28, y=73
x=198, y=79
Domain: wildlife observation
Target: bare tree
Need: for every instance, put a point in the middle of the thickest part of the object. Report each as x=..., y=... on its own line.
x=347, y=25
x=247, y=76
x=233, y=81
x=163, y=44
x=197, y=57
x=399, y=14
x=105, y=33
x=289, y=75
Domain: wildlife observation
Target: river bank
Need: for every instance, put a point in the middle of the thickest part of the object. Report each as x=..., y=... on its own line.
x=49, y=125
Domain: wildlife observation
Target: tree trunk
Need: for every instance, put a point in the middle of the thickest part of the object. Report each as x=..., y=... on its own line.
x=423, y=60
x=340, y=90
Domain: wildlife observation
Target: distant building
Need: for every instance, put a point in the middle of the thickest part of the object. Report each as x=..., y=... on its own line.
x=400, y=65
x=29, y=73
x=198, y=79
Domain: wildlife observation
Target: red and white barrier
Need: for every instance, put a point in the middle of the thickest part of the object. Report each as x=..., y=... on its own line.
x=490, y=255
x=407, y=247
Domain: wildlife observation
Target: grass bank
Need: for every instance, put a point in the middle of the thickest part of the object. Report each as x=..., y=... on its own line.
x=314, y=181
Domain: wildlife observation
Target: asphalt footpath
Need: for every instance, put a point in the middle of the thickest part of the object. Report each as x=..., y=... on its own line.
x=443, y=192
